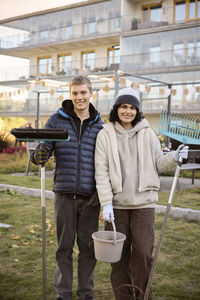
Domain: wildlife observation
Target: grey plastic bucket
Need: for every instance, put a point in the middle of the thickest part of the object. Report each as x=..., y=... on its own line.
x=108, y=245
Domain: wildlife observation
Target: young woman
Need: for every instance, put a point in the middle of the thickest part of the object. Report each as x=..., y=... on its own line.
x=128, y=159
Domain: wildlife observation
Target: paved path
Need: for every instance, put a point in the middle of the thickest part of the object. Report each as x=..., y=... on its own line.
x=165, y=181
x=183, y=183
x=166, y=184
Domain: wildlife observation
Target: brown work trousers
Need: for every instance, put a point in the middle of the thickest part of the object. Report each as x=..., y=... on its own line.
x=129, y=276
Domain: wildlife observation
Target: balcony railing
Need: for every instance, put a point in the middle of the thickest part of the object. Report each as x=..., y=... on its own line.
x=49, y=105
x=158, y=105
x=62, y=34
x=36, y=32
x=142, y=62
x=161, y=60
x=76, y=67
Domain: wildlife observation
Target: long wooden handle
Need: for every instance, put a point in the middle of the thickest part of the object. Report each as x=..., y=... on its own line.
x=149, y=283
x=43, y=205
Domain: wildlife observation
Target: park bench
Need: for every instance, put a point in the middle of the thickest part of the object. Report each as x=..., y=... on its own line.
x=192, y=164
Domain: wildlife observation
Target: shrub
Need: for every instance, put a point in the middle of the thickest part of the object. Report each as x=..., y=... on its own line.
x=4, y=140
x=17, y=149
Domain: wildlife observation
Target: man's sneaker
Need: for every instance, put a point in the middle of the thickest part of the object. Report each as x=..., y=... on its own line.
x=59, y=298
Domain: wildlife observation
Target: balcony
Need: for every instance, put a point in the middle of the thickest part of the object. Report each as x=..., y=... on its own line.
x=23, y=74
x=164, y=62
x=58, y=36
x=50, y=104
x=139, y=63
x=38, y=31
x=85, y=24
x=168, y=51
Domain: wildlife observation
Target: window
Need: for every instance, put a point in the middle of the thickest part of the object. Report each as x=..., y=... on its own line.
x=64, y=62
x=113, y=55
x=89, y=25
x=44, y=34
x=197, y=49
x=114, y=22
x=179, y=54
x=187, y=53
x=68, y=30
x=193, y=52
x=190, y=48
x=180, y=11
x=44, y=65
x=49, y=33
x=88, y=60
x=186, y=10
x=152, y=12
x=192, y=9
x=154, y=54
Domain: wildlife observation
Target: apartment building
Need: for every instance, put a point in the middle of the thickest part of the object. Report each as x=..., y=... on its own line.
x=152, y=45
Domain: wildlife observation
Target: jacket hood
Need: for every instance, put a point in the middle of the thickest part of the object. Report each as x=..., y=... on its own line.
x=121, y=131
x=67, y=111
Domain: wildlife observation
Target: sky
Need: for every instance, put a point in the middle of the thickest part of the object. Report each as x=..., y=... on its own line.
x=11, y=8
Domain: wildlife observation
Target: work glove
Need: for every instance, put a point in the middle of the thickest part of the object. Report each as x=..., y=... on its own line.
x=181, y=151
x=40, y=156
x=108, y=214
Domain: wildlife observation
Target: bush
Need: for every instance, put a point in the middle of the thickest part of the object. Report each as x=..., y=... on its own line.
x=4, y=140
x=17, y=149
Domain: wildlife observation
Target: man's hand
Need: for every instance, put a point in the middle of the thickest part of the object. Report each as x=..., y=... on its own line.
x=40, y=156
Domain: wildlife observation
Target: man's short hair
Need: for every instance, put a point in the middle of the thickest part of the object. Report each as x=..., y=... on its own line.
x=79, y=80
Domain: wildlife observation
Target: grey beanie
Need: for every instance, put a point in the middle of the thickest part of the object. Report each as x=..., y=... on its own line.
x=129, y=96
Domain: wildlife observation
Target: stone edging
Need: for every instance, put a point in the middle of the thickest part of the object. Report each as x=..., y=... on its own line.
x=176, y=212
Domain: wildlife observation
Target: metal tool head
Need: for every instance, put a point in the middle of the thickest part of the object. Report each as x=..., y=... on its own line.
x=50, y=134
x=185, y=129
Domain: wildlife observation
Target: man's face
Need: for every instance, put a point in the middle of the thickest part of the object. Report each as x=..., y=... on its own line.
x=80, y=95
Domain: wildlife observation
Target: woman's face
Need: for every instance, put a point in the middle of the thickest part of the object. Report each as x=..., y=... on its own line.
x=126, y=113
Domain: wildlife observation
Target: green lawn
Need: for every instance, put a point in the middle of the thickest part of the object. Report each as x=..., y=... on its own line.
x=186, y=199
x=177, y=273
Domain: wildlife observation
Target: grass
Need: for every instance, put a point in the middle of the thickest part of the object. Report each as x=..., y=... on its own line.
x=177, y=274
x=189, y=199
x=15, y=162
x=27, y=181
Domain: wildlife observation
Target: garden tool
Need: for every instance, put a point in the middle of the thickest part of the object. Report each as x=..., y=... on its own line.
x=186, y=130
x=41, y=135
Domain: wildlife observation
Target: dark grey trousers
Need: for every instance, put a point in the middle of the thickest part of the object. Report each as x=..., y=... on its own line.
x=135, y=265
x=74, y=218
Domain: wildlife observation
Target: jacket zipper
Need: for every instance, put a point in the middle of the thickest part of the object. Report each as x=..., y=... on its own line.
x=78, y=161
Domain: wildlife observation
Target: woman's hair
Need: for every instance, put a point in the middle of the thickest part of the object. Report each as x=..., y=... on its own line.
x=113, y=117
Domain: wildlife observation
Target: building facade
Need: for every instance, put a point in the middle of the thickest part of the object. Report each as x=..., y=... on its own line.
x=152, y=45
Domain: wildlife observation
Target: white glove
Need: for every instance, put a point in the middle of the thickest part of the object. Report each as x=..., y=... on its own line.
x=182, y=151
x=108, y=214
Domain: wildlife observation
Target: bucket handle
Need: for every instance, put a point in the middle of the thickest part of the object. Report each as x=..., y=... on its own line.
x=114, y=233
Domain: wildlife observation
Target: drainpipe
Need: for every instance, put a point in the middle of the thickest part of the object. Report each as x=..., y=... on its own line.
x=116, y=83
x=169, y=110
x=38, y=109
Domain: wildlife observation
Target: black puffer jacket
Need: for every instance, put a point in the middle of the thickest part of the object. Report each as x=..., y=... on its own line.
x=74, y=171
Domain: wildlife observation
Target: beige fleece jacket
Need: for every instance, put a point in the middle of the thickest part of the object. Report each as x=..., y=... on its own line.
x=127, y=164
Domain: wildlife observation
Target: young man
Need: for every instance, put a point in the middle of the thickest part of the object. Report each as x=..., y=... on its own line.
x=76, y=204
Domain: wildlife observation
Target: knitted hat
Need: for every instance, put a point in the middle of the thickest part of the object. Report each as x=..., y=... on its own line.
x=129, y=96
